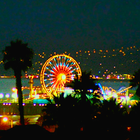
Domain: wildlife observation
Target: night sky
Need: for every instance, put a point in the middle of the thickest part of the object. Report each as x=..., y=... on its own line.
x=70, y=25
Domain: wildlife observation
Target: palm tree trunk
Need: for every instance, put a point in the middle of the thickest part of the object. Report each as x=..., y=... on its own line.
x=20, y=98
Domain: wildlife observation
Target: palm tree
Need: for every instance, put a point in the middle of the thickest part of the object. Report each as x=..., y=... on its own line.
x=135, y=82
x=18, y=57
x=112, y=119
x=83, y=84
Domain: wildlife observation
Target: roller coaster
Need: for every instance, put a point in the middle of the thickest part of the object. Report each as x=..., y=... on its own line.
x=121, y=95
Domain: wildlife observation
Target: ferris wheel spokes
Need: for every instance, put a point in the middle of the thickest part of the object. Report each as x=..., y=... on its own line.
x=57, y=71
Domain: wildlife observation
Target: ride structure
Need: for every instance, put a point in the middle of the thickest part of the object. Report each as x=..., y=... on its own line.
x=122, y=95
x=56, y=71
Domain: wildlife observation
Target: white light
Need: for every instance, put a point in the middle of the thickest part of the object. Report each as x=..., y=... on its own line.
x=7, y=95
x=5, y=119
x=14, y=95
x=37, y=96
x=1, y=95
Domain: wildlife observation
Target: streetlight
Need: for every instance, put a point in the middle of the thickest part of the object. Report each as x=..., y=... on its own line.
x=5, y=119
x=1, y=96
x=7, y=95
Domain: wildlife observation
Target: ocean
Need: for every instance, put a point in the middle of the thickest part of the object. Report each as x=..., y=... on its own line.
x=6, y=85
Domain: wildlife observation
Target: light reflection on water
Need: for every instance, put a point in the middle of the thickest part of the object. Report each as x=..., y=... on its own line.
x=116, y=84
x=6, y=85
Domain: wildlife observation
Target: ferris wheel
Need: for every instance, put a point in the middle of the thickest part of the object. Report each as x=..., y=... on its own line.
x=57, y=71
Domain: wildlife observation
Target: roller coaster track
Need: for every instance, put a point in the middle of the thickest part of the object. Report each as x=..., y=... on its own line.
x=113, y=90
x=125, y=89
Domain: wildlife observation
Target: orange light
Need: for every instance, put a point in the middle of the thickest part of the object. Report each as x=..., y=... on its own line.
x=128, y=128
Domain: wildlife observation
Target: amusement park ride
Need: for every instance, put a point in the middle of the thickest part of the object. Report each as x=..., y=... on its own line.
x=55, y=72
x=60, y=69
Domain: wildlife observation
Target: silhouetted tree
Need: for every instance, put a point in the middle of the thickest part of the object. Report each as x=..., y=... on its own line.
x=134, y=120
x=83, y=84
x=135, y=81
x=18, y=57
x=85, y=108
x=112, y=119
x=62, y=111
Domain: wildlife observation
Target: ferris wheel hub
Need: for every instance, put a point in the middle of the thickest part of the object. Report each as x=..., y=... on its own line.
x=61, y=76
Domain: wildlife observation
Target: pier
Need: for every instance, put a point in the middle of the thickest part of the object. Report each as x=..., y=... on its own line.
x=29, y=109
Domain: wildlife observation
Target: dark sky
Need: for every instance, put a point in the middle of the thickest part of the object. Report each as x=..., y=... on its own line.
x=70, y=25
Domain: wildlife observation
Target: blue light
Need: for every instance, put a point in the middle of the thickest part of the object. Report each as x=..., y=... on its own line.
x=54, y=67
x=70, y=68
x=72, y=71
x=51, y=70
x=52, y=82
x=104, y=94
x=129, y=106
x=64, y=64
x=121, y=106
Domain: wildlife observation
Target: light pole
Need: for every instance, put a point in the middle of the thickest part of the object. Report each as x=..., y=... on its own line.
x=31, y=82
x=6, y=120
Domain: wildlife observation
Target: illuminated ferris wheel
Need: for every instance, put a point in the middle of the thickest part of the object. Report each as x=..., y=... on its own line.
x=57, y=71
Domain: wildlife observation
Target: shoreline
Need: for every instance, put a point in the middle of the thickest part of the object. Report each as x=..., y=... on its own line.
x=12, y=77
x=117, y=80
